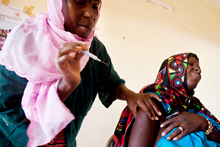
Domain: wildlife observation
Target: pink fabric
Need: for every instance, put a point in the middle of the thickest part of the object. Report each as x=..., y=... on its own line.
x=29, y=50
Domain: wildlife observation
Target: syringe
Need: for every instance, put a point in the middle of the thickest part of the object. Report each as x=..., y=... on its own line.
x=93, y=56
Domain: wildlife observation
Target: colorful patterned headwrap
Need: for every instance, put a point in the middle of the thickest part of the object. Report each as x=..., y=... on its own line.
x=171, y=85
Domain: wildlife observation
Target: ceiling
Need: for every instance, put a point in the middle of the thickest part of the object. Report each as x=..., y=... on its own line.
x=214, y=3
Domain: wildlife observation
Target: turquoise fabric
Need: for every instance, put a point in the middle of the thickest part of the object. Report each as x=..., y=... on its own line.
x=197, y=139
x=96, y=78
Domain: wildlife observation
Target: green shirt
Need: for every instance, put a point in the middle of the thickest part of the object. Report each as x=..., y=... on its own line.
x=96, y=78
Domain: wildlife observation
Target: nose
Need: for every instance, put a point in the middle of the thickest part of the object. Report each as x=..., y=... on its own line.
x=89, y=12
x=197, y=69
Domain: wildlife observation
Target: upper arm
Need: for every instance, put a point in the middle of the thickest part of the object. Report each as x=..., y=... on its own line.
x=144, y=130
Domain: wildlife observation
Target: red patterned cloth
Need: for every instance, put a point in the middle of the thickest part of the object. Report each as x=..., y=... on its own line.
x=58, y=141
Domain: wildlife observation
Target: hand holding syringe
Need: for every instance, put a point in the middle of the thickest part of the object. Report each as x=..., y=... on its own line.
x=92, y=56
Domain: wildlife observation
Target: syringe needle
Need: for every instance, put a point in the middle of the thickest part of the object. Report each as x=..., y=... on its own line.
x=93, y=56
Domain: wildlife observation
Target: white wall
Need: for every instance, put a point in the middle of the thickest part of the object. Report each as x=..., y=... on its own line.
x=152, y=34
x=139, y=36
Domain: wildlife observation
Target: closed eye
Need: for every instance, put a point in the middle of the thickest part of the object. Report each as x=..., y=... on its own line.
x=80, y=2
x=190, y=64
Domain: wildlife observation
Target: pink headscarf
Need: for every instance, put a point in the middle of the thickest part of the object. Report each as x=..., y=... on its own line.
x=29, y=50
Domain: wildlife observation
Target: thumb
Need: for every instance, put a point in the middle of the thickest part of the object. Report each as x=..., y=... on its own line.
x=78, y=56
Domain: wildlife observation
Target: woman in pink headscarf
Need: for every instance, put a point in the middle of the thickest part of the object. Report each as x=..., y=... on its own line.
x=44, y=73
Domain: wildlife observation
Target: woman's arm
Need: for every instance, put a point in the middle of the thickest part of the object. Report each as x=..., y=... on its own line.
x=190, y=122
x=144, y=132
x=215, y=135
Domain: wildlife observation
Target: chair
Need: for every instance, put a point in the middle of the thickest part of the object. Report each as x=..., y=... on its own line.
x=109, y=142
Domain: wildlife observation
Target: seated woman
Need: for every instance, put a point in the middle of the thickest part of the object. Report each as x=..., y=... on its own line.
x=184, y=121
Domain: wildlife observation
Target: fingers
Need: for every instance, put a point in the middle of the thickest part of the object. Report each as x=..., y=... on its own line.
x=177, y=134
x=170, y=127
x=178, y=137
x=148, y=109
x=166, y=123
x=70, y=48
x=149, y=106
x=63, y=59
x=78, y=56
x=69, y=51
x=155, y=107
x=155, y=96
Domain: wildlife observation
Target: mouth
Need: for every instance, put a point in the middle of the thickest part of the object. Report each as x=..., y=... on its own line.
x=197, y=77
x=87, y=27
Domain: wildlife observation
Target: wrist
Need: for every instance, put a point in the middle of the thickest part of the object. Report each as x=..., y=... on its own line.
x=210, y=128
x=65, y=86
x=64, y=89
x=122, y=92
x=204, y=125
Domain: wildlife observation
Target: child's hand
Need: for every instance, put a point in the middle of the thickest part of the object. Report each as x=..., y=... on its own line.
x=67, y=61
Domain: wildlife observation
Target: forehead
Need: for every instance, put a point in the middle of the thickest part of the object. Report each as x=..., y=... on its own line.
x=193, y=59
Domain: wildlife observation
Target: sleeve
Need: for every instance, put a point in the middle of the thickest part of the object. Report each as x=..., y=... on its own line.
x=10, y=96
x=109, y=80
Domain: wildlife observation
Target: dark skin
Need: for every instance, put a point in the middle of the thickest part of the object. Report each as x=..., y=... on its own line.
x=80, y=18
x=146, y=132
x=190, y=123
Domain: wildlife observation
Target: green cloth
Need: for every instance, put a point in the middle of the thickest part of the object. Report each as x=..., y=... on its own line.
x=11, y=113
x=96, y=78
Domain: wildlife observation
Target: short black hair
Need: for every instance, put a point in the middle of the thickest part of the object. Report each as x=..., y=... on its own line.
x=193, y=55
